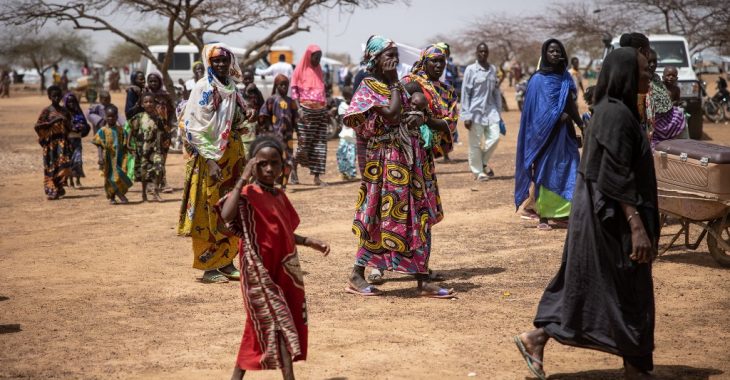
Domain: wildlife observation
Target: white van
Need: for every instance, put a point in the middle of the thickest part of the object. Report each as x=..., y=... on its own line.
x=672, y=50
x=181, y=66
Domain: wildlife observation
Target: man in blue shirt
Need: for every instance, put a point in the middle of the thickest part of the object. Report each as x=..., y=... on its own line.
x=481, y=102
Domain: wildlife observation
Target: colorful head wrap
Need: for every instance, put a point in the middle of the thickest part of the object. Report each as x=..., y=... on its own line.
x=433, y=51
x=221, y=50
x=375, y=45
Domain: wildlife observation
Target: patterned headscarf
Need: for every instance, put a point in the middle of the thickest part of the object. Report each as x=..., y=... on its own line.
x=78, y=120
x=375, y=45
x=433, y=51
x=221, y=50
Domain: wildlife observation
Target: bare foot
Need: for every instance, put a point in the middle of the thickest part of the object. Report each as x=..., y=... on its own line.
x=123, y=199
x=156, y=196
x=357, y=278
x=318, y=181
x=237, y=373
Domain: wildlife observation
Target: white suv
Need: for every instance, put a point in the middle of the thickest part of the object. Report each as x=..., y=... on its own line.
x=672, y=50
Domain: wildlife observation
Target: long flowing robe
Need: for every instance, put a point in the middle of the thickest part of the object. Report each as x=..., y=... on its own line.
x=600, y=298
x=112, y=141
x=212, y=119
x=547, y=151
x=272, y=282
x=398, y=202
x=52, y=129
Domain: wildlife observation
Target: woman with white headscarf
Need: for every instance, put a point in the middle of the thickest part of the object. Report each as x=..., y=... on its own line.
x=212, y=118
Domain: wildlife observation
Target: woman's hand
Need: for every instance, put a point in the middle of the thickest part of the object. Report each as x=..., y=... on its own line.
x=642, y=250
x=390, y=72
x=317, y=244
x=214, y=171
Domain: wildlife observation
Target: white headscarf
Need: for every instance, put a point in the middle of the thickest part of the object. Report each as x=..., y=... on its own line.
x=210, y=108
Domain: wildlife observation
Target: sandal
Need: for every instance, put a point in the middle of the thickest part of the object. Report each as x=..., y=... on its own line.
x=368, y=291
x=544, y=227
x=529, y=359
x=213, y=277
x=441, y=293
x=234, y=275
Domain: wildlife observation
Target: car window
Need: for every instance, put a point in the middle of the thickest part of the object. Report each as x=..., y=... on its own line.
x=180, y=61
x=670, y=53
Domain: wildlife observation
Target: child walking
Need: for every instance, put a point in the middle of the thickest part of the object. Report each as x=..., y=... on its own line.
x=145, y=136
x=346, y=151
x=278, y=116
x=275, y=333
x=110, y=138
x=79, y=129
x=52, y=128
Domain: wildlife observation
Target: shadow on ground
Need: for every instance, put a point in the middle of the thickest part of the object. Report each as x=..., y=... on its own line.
x=661, y=372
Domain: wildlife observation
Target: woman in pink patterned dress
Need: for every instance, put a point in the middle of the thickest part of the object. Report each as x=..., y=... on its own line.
x=398, y=200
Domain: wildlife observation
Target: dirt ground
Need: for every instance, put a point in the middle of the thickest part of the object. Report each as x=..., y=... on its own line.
x=92, y=291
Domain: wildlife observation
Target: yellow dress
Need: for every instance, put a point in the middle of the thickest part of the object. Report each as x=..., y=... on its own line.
x=211, y=249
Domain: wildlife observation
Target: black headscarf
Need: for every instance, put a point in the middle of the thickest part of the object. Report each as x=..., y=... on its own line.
x=545, y=66
x=634, y=40
x=619, y=78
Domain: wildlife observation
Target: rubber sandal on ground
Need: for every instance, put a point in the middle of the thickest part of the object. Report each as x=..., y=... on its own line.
x=529, y=215
x=368, y=291
x=529, y=359
x=214, y=278
x=441, y=293
x=544, y=227
x=234, y=275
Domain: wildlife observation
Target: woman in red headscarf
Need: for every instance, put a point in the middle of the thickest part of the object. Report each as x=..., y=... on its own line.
x=307, y=90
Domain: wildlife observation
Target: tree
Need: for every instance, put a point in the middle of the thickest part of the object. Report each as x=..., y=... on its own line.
x=191, y=19
x=124, y=53
x=41, y=50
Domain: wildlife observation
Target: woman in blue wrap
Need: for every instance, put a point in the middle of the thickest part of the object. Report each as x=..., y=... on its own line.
x=547, y=147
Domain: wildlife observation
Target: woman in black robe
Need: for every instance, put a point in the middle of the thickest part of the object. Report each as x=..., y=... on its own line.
x=602, y=297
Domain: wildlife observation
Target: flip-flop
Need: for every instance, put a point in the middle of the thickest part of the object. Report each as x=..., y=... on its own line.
x=560, y=223
x=544, y=227
x=368, y=291
x=442, y=294
x=234, y=275
x=529, y=359
x=215, y=278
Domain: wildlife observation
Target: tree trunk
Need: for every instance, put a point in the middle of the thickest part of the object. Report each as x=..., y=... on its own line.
x=43, y=80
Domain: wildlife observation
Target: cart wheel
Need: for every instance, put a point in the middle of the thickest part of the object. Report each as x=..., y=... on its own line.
x=720, y=254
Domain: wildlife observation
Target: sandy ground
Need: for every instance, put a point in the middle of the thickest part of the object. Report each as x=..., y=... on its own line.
x=93, y=291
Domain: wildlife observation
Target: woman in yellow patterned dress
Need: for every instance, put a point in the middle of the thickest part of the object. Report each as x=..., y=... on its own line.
x=212, y=118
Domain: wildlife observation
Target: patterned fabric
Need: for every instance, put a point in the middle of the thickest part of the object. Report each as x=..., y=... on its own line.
x=312, y=140
x=307, y=82
x=79, y=128
x=211, y=249
x=145, y=136
x=278, y=115
x=374, y=46
x=441, y=98
x=397, y=203
x=208, y=115
x=658, y=100
x=111, y=140
x=668, y=126
x=346, y=158
x=52, y=126
x=271, y=278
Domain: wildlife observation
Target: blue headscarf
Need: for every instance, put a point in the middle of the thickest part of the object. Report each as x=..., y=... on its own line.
x=547, y=154
x=375, y=45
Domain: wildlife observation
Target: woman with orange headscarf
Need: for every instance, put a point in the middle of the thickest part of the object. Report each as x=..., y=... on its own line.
x=213, y=119
x=307, y=90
